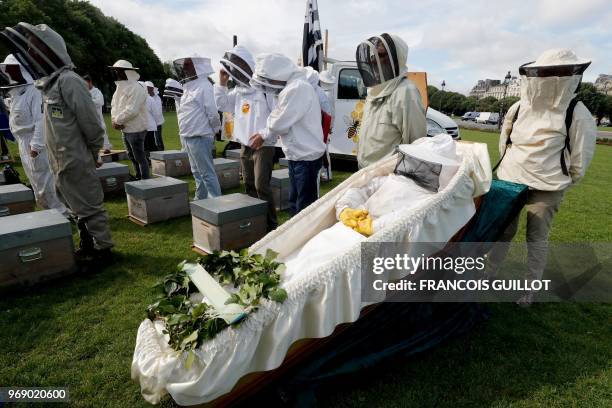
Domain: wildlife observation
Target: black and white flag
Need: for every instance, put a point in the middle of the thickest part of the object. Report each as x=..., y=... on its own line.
x=312, y=42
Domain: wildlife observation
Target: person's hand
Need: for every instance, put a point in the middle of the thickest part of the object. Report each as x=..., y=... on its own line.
x=256, y=141
x=107, y=151
x=223, y=78
x=33, y=153
x=99, y=163
x=117, y=126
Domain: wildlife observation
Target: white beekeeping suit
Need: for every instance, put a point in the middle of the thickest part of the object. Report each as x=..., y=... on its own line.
x=174, y=90
x=296, y=119
x=327, y=82
x=98, y=100
x=26, y=124
x=159, y=109
x=537, y=128
x=547, y=143
x=393, y=113
x=313, y=79
x=151, y=109
x=250, y=106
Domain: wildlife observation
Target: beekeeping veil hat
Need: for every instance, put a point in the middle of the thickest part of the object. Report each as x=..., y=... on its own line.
x=272, y=72
x=327, y=79
x=124, y=71
x=381, y=58
x=173, y=89
x=430, y=161
x=190, y=68
x=14, y=73
x=38, y=48
x=552, y=80
x=239, y=64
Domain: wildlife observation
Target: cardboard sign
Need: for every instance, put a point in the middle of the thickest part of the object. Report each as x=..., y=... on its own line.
x=420, y=80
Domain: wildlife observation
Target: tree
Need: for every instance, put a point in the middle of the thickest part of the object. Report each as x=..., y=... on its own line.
x=486, y=104
x=94, y=41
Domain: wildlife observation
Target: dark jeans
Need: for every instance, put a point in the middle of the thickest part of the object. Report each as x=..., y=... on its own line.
x=5, y=151
x=303, y=177
x=159, y=141
x=257, y=166
x=135, y=146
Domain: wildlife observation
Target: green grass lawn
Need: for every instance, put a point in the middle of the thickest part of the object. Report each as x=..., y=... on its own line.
x=606, y=128
x=80, y=332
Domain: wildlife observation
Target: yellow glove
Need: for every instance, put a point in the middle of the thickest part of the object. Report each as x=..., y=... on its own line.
x=358, y=220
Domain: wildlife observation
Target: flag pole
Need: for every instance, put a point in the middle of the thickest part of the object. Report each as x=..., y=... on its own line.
x=325, y=48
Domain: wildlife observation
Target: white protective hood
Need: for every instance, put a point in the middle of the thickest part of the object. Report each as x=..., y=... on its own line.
x=234, y=61
x=275, y=71
x=440, y=150
x=11, y=60
x=548, y=85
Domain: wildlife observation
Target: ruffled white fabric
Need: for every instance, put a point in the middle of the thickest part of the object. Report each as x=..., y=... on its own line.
x=318, y=300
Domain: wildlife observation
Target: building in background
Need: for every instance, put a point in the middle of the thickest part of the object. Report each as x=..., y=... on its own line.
x=495, y=88
x=603, y=84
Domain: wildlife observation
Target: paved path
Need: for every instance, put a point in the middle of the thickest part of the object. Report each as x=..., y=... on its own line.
x=604, y=134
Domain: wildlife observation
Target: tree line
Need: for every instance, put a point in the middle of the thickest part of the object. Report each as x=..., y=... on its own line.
x=454, y=103
x=94, y=41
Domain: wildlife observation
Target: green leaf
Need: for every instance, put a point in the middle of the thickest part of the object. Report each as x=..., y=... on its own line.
x=278, y=295
x=189, y=360
x=192, y=338
x=271, y=255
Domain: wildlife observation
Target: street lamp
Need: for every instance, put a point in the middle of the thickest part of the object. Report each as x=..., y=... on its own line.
x=440, y=102
x=507, y=79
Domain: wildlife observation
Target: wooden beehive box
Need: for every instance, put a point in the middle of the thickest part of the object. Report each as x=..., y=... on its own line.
x=228, y=173
x=232, y=221
x=157, y=199
x=113, y=156
x=17, y=198
x=280, y=185
x=113, y=176
x=170, y=163
x=34, y=247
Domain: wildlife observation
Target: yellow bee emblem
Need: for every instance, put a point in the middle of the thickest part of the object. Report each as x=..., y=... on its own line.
x=246, y=108
x=352, y=131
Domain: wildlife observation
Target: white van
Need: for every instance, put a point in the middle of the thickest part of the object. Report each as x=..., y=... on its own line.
x=349, y=94
x=483, y=117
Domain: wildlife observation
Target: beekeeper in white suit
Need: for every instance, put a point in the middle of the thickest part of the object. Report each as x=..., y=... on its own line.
x=98, y=100
x=547, y=143
x=251, y=109
x=198, y=121
x=26, y=124
x=326, y=106
x=174, y=90
x=296, y=119
x=394, y=113
x=73, y=133
x=129, y=114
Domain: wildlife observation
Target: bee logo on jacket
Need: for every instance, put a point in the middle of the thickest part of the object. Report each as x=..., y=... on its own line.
x=246, y=108
x=57, y=112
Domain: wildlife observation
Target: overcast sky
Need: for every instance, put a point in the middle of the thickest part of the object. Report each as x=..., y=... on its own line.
x=457, y=41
